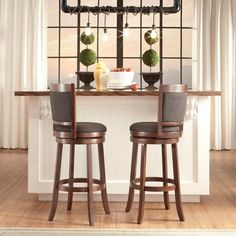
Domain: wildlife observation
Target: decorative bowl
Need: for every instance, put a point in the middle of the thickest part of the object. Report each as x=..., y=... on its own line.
x=151, y=78
x=86, y=78
x=123, y=77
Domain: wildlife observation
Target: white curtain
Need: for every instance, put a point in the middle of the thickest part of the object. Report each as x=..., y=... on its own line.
x=215, y=54
x=22, y=65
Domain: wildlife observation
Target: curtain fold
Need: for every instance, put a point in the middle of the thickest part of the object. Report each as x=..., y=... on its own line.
x=215, y=65
x=23, y=65
x=234, y=70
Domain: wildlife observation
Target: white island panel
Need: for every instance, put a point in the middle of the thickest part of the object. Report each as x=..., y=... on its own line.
x=118, y=113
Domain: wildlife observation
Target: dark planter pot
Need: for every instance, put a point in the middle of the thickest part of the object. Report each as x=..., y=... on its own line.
x=151, y=78
x=86, y=78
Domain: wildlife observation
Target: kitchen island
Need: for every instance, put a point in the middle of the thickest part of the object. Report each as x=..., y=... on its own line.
x=118, y=110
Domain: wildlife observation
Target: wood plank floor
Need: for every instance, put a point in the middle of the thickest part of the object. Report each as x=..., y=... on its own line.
x=20, y=209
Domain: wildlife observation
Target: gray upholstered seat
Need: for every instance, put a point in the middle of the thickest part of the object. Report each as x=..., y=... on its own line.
x=151, y=127
x=82, y=127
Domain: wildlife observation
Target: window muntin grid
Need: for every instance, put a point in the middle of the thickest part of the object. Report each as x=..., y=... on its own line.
x=76, y=24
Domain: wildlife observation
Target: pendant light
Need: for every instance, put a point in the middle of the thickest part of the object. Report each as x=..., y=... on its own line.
x=105, y=36
x=126, y=29
x=88, y=29
x=153, y=32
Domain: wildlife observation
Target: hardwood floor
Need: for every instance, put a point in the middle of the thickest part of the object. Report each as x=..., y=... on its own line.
x=20, y=209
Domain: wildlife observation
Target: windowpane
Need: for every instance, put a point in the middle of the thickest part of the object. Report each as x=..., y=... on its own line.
x=53, y=12
x=134, y=64
x=107, y=49
x=68, y=42
x=187, y=72
x=147, y=3
x=68, y=19
x=84, y=16
x=171, y=20
x=131, y=43
x=68, y=69
x=84, y=20
x=168, y=3
x=188, y=13
x=110, y=63
x=108, y=3
x=132, y=3
x=133, y=20
x=52, y=42
x=111, y=20
x=52, y=71
x=171, y=43
x=72, y=3
x=148, y=20
x=90, y=3
x=171, y=71
x=84, y=68
x=187, y=43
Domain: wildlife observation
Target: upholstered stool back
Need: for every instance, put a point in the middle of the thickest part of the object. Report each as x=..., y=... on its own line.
x=165, y=131
x=62, y=102
x=171, y=109
x=68, y=131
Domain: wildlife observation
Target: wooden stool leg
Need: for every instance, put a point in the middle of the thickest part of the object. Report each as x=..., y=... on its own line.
x=165, y=176
x=103, y=178
x=90, y=185
x=142, y=183
x=56, y=182
x=71, y=176
x=132, y=177
x=177, y=182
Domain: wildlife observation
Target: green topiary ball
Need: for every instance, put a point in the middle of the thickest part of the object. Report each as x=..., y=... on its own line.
x=149, y=39
x=87, y=57
x=150, y=58
x=87, y=39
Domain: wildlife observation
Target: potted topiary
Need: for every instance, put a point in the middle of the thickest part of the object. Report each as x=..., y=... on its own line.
x=151, y=58
x=87, y=57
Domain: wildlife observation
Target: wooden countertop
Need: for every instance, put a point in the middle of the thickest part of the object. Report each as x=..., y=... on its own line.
x=117, y=93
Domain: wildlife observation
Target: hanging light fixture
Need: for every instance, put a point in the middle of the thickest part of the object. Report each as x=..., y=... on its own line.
x=126, y=29
x=88, y=29
x=105, y=36
x=153, y=32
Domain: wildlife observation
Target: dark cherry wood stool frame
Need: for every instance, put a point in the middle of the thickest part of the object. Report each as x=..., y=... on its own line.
x=162, y=138
x=73, y=138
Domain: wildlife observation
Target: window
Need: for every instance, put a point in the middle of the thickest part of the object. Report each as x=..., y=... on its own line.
x=64, y=43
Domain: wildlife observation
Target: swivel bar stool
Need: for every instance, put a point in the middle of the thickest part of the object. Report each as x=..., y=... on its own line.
x=168, y=130
x=68, y=131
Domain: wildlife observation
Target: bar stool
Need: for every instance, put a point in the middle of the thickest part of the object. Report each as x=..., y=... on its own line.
x=68, y=131
x=168, y=130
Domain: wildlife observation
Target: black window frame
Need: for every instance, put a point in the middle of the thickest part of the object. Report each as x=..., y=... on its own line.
x=119, y=43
